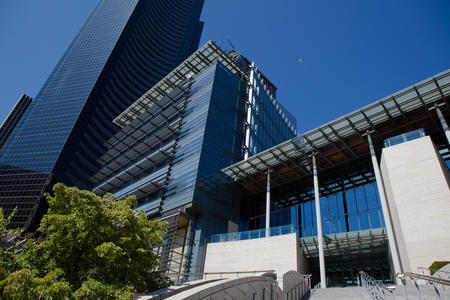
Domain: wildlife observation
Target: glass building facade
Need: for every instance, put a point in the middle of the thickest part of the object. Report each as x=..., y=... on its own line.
x=268, y=123
x=170, y=155
x=13, y=118
x=122, y=50
x=353, y=209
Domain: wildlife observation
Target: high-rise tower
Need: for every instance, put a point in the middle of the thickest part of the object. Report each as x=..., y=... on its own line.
x=13, y=118
x=122, y=50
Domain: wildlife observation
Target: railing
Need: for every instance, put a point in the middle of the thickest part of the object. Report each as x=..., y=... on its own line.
x=418, y=281
x=438, y=273
x=415, y=285
x=314, y=289
x=409, y=136
x=263, y=286
x=252, y=234
x=296, y=285
x=376, y=289
x=294, y=288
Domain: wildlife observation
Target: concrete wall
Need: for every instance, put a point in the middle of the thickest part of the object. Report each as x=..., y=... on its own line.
x=417, y=189
x=253, y=287
x=280, y=253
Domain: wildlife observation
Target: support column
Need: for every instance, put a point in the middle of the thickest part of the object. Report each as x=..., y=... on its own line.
x=323, y=282
x=344, y=202
x=249, y=111
x=384, y=207
x=443, y=122
x=268, y=205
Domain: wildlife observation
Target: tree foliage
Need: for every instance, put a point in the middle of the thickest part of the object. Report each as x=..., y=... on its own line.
x=437, y=265
x=9, y=262
x=95, y=248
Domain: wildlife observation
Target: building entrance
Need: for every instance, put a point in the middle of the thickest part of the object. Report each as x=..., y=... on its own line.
x=348, y=253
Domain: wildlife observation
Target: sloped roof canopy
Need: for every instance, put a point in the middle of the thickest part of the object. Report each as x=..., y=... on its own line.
x=341, y=143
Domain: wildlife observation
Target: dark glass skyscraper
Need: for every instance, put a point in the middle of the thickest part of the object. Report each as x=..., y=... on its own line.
x=122, y=50
x=14, y=117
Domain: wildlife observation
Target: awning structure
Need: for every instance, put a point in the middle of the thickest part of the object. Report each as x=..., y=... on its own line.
x=194, y=64
x=133, y=167
x=144, y=116
x=346, y=243
x=341, y=144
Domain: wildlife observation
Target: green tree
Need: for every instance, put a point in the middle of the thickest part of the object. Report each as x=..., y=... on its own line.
x=95, y=248
x=24, y=284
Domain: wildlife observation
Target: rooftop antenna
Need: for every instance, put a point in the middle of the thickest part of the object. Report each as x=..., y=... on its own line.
x=231, y=44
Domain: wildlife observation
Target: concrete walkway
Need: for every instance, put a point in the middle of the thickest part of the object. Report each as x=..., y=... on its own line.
x=351, y=292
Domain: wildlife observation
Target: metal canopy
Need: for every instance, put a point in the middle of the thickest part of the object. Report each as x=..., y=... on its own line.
x=342, y=142
x=194, y=64
x=142, y=118
x=346, y=243
x=122, y=155
x=131, y=168
x=129, y=140
x=145, y=185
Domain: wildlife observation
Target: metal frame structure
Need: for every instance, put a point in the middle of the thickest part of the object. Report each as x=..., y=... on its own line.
x=344, y=243
x=193, y=65
x=341, y=142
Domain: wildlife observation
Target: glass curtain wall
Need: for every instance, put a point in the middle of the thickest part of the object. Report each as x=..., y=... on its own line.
x=269, y=123
x=353, y=209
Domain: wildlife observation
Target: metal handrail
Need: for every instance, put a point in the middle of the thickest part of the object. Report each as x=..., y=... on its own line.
x=430, y=280
x=379, y=291
x=425, y=277
x=307, y=280
x=438, y=273
x=376, y=289
x=301, y=290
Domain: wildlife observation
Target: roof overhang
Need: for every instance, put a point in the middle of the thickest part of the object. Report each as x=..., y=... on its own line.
x=342, y=142
x=194, y=64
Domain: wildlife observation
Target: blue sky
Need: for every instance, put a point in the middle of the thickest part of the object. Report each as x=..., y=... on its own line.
x=353, y=51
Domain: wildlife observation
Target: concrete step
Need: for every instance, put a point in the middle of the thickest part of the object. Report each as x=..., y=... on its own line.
x=340, y=293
